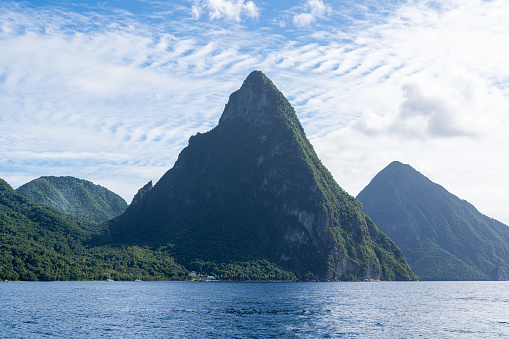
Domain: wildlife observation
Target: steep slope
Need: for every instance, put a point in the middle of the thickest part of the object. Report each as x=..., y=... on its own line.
x=34, y=239
x=441, y=236
x=253, y=188
x=77, y=197
x=38, y=242
x=141, y=192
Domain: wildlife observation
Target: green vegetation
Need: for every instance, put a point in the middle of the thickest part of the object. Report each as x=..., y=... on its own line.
x=255, y=270
x=141, y=192
x=441, y=236
x=248, y=200
x=254, y=189
x=77, y=197
x=36, y=263
x=41, y=243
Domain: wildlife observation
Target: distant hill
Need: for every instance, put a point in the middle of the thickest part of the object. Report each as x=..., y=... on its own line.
x=441, y=236
x=35, y=239
x=38, y=242
x=252, y=191
x=77, y=197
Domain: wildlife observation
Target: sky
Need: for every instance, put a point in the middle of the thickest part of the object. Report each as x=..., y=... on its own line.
x=111, y=91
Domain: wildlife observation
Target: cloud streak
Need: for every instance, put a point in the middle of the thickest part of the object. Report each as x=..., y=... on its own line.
x=231, y=10
x=314, y=10
x=114, y=98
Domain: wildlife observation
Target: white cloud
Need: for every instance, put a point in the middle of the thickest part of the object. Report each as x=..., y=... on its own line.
x=440, y=107
x=424, y=85
x=231, y=10
x=315, y=9
x=428, y=87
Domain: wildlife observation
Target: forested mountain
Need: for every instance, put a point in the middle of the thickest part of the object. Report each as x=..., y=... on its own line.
x=442, y=236
x=77, y=197
x=253, y=190
x=42, y=243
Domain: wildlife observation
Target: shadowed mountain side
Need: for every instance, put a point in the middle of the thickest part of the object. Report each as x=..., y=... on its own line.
x=141, y=192
x=253, y=188
x=441, y=236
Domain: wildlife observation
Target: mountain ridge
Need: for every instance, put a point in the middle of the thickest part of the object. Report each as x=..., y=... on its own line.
x=442, y=236
x=78, y=197
x=254, y=188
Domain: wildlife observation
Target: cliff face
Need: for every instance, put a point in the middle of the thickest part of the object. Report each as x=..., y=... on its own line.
x=442, y=236
x=253, y=188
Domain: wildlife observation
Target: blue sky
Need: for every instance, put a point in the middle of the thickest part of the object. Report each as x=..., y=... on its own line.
x=111, y=91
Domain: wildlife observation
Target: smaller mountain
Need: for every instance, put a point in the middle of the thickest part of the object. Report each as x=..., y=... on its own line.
x=36, y=241
x=441, y=236
x=76, y=197
x=39, y=242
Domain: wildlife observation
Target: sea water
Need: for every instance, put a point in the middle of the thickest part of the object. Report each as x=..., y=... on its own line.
x=254, y=310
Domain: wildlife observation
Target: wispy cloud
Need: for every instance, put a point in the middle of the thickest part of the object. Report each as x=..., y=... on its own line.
x=313, y=11
x=232, y=10
x=114, y=98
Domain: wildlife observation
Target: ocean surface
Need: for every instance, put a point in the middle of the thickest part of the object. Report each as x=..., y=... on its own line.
x=254, y=310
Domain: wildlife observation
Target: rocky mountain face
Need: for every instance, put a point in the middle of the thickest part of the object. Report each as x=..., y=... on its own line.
x=253, y=188
x=76, y=197
x=441, y=236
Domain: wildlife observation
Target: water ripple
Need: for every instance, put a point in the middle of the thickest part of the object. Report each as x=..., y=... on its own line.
x=255, y=310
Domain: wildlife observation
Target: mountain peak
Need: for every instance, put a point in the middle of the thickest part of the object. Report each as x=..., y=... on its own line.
x=399, y=167
x=254, y=102
x=253, y=188
x=441, y=236
x=396, y=163
x=256, y=76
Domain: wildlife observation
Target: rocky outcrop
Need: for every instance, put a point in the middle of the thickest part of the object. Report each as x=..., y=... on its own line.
x=250, y=103
x=141, y=192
